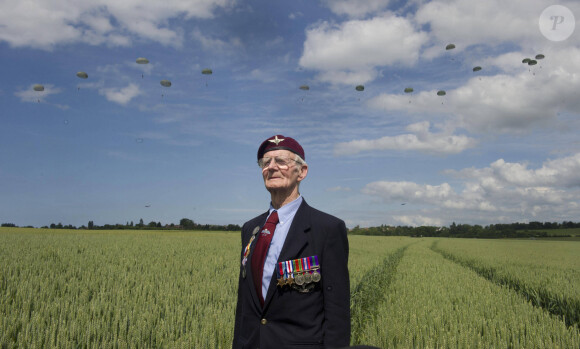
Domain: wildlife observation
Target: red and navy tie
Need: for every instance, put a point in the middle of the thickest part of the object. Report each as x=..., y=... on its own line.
x=261, y=250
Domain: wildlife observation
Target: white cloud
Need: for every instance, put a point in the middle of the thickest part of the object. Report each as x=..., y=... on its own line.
x=491, y=22
x=295, y=15
x=501, y=191
x=418, y=220
x=356, y=47
x=30, y=95
x=563, y=172
x=519, y=99
x=46, y=23
x=214, y=44
x=121, y=95
x=420, y=139
x=356, y=9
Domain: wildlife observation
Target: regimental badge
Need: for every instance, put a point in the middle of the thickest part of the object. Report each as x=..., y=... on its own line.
x=301, y=274
x=276, y=140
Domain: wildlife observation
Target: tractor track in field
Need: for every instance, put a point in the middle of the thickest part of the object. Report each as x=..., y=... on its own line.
x=371, y=291
x=566, y=308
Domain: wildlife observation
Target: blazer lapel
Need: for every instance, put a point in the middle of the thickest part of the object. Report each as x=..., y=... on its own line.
x=296, y=240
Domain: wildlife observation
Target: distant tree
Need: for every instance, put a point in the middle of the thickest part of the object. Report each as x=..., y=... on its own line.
x=187, y=223
x=131, y=224
x=91, y=225
x=141, y=224
x=52, y=226
x=12, y=225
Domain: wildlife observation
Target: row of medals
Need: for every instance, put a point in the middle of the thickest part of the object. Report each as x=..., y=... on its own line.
x=302, y=282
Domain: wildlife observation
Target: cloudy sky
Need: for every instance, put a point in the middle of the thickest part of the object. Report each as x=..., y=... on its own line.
x=502, y=145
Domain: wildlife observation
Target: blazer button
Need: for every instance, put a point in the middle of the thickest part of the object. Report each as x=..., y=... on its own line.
x=264, y=321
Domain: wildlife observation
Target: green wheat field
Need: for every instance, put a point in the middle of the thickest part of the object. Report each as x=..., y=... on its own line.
x=165, y=289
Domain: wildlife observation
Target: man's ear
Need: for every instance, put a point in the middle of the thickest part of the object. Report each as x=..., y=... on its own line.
x=303, y=172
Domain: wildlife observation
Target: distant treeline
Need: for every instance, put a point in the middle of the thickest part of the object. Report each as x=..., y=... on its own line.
x=184, y=224
x=513, y=230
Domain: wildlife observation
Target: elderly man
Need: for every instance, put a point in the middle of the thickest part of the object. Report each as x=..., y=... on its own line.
x=293, y=287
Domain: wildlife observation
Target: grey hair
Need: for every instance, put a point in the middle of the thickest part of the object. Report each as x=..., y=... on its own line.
x=299, y=160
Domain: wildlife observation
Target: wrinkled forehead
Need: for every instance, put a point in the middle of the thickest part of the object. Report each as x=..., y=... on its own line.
x=280, y=152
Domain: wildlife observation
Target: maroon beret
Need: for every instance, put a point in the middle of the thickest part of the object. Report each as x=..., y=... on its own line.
x=278, y=142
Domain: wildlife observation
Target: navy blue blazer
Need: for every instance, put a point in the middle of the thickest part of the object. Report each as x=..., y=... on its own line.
x=319, y=318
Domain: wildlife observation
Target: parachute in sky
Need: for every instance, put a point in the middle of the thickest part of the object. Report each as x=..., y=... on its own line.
x=38, y=88
x=142, y=60
x=304, y=93
x=450, y=47
x=540, y=56
x=409, y=90
x=207, y=72
x=532, y=62
x=82, y=75
x=165, y=83
x=360, y=88
x=442, y=93
x=525, y=60
x=476, y=69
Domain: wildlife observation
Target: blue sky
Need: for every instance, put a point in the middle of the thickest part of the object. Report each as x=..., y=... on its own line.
x=501, y=146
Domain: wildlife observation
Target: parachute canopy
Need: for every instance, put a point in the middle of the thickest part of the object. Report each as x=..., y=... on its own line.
x=207, y=71
x=304, y=87
x=38, y=87
x=360, y=88
x=142, y=60
x=441, y=93
x=540, y=56
x=82, y=75
x=408, y=90
x=450, y=47
x=532, y=62
x=165, y=83
x=525, y=60
x=478, y=68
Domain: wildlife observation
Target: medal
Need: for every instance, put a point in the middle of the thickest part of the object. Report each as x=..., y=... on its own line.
x=247, y=249
x=301, y=274
x=299, y=280
x=316, y=276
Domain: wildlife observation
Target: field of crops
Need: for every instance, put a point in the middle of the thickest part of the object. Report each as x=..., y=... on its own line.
x=76, y=289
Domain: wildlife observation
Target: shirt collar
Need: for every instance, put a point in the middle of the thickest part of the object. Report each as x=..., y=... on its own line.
x=287, y=211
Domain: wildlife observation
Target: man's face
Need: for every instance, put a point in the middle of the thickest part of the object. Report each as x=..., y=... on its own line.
x=276, y=179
